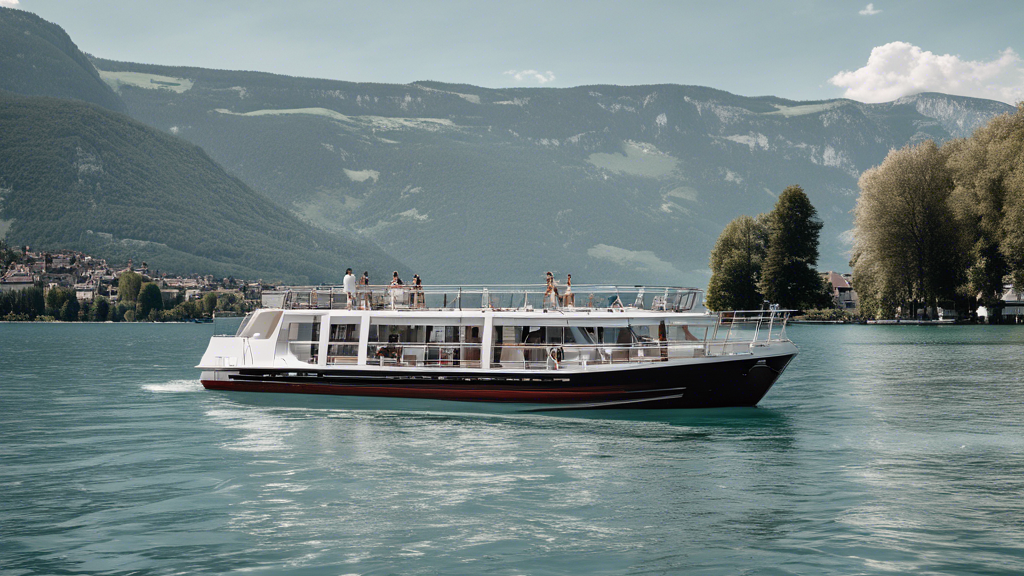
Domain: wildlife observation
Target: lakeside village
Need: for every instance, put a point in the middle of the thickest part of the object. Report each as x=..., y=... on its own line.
x=69, y=286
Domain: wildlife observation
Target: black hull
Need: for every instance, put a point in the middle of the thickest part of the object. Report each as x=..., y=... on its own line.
x=728, y=382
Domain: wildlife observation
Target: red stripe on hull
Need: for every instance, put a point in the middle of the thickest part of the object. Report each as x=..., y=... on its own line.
x=463, y=395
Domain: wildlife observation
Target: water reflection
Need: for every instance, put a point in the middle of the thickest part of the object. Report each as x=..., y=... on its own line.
x=412, y=483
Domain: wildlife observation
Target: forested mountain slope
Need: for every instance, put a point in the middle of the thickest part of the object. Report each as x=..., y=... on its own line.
x=627, y=183
x=37, y=58
x=74, y=175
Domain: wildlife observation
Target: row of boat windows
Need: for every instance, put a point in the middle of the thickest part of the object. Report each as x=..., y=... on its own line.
x=309, y=331
x=349, y=333
x=461, y=346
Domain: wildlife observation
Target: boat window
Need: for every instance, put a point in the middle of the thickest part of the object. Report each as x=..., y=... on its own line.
x=424, y=345
x=304, y=331
x=262, y=325
x=344, y=332
x=532, y=334
x=302, y=335
x=691, y=333
x=616, y=335
x=245, y=321
x=343, y=346
x=644, y=331
x=577, y=335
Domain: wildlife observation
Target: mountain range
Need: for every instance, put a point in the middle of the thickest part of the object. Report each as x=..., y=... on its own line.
x=462, y=183
x=75, y=175
x=609, y=182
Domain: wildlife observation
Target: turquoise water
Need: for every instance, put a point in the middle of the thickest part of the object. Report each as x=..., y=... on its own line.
x=882, y=450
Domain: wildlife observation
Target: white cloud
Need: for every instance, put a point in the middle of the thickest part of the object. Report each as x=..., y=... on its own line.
x=9, y=3
x=531, y=75
x=869, y=10
x=898, y=69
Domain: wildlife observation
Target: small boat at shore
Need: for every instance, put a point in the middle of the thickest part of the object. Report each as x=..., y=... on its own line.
x=601, y=347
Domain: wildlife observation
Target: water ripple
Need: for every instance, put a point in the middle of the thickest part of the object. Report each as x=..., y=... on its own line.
x=883, y=450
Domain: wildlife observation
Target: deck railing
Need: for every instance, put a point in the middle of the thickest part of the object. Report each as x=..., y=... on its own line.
x=497, y=297
x=646, y=340
x=733, y=333
x=754, y=326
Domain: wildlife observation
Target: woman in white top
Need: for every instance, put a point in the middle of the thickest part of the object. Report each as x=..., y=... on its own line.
x=348, y=285
x=568, y=298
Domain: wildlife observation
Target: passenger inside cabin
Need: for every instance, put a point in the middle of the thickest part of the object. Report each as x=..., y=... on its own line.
x=391, y=350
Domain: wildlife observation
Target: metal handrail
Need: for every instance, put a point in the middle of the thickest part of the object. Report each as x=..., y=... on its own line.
x=493, y=296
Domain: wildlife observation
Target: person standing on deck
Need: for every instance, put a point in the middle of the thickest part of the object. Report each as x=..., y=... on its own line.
x=364, y=288
x=396, y=290
x=552, y=291
x=568, y=298
x=418, y=300
x=348, y=285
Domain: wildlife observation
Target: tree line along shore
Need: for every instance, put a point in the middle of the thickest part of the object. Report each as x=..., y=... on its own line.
x=936, y=227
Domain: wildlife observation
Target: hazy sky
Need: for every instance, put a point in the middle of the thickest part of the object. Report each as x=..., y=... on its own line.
x=799, y=49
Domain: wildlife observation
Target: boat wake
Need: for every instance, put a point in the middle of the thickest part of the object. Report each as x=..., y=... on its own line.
x=175, y=386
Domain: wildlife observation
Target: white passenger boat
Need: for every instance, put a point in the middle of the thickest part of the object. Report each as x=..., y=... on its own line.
x=606, y=346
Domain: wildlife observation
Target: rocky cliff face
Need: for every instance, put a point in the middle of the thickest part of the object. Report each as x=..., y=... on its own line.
x=607, y=182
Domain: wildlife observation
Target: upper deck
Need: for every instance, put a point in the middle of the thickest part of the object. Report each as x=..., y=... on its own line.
x=495, y=297
x=513, y=327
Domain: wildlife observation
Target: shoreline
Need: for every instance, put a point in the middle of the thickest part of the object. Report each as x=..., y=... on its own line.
x=95, y=322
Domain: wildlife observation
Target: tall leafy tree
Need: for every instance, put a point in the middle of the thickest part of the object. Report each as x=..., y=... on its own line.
x=27, y=303
x=736, y=265
x=55, y=300
x=128, y=286
x=906, y=243
x=100, y=309
x=988, y=201
x=69, y=310
x=209, y=303
x=788, y=277
x=149, y=299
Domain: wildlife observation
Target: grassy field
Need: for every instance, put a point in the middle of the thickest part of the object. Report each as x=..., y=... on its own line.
x=637, y=159
x=148, y=81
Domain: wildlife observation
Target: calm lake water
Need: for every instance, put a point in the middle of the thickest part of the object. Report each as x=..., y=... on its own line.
x=881, y=450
